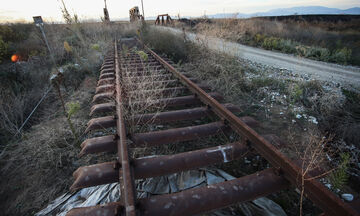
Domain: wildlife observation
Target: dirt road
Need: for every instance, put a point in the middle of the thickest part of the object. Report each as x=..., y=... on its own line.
x=345, y=75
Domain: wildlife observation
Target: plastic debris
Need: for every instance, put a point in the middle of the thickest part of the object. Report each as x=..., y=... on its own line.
x=161, y=185
x=347, y=197
x=313, y=119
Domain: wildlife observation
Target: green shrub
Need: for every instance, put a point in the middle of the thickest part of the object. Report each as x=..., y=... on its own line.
x=274, y=43
x=3, y=49
x=325, y=55
x=72, y=108
x=351, y=96
x=317, y=53
x=339, y=177
x=166, y=42
x=267, y=82
x=142, y=55
x=15, y=32
x=296, y=93
x=342, y=56
x=6, y=32
x=271, y=43
x=73, y=75
x=95, y=47
x=301, y=50
x=259, y=38
x=287, y=46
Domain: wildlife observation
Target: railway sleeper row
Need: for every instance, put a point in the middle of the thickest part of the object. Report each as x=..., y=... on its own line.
x=127, y=81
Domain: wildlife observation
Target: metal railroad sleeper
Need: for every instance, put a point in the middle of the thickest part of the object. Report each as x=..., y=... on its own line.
x=191, y=103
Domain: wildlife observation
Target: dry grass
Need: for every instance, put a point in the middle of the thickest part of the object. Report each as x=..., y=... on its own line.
x=143, y=96
x=226, y=75
x=311, y=152
x=174, y=46
x=22, y=85
x=38, y=168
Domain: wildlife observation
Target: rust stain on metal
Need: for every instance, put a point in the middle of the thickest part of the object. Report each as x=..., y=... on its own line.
x=158, y=166
x=102, y=108
x=127, y=183
x=203, y=199
x=320, y=195
x=193, y=201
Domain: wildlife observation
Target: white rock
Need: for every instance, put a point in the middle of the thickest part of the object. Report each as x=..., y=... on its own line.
x=313, y=120
x=293, y=121
x=328, y=185
x=347, y=197
x=281, y=113
x=328, y=157
x=298, y=116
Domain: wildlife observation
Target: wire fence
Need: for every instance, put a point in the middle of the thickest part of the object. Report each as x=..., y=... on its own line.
x=28, y=118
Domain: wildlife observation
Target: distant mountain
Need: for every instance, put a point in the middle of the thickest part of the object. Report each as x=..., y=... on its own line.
x=292, y=11
x=355, y=10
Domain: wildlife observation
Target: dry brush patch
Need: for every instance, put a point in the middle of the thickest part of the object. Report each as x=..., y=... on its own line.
x=145, y=90
x=325, y=41
x=230, y=76
x=38, y=168
x=78, y=50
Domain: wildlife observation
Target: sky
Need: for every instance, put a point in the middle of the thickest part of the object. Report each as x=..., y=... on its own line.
x=24, y=10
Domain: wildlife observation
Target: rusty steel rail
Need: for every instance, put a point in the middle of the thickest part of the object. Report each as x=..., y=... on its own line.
x=187, y=101
x=320, y=195
x=198, y=200
x=127, y=183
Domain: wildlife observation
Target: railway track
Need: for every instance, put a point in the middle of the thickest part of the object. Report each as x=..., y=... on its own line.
x=138, y=88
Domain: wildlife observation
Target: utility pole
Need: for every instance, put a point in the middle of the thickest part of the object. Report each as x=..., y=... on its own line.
x=142, y=5
x=106, y=14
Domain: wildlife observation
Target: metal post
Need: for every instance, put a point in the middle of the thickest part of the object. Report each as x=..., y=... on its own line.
x=142, y=5
x=47, y=43
x=39, y=22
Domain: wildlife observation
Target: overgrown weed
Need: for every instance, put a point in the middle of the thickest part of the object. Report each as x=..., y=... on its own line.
x=37, y=167
x=29, y=79
x=228, y=76
x=172, y=45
